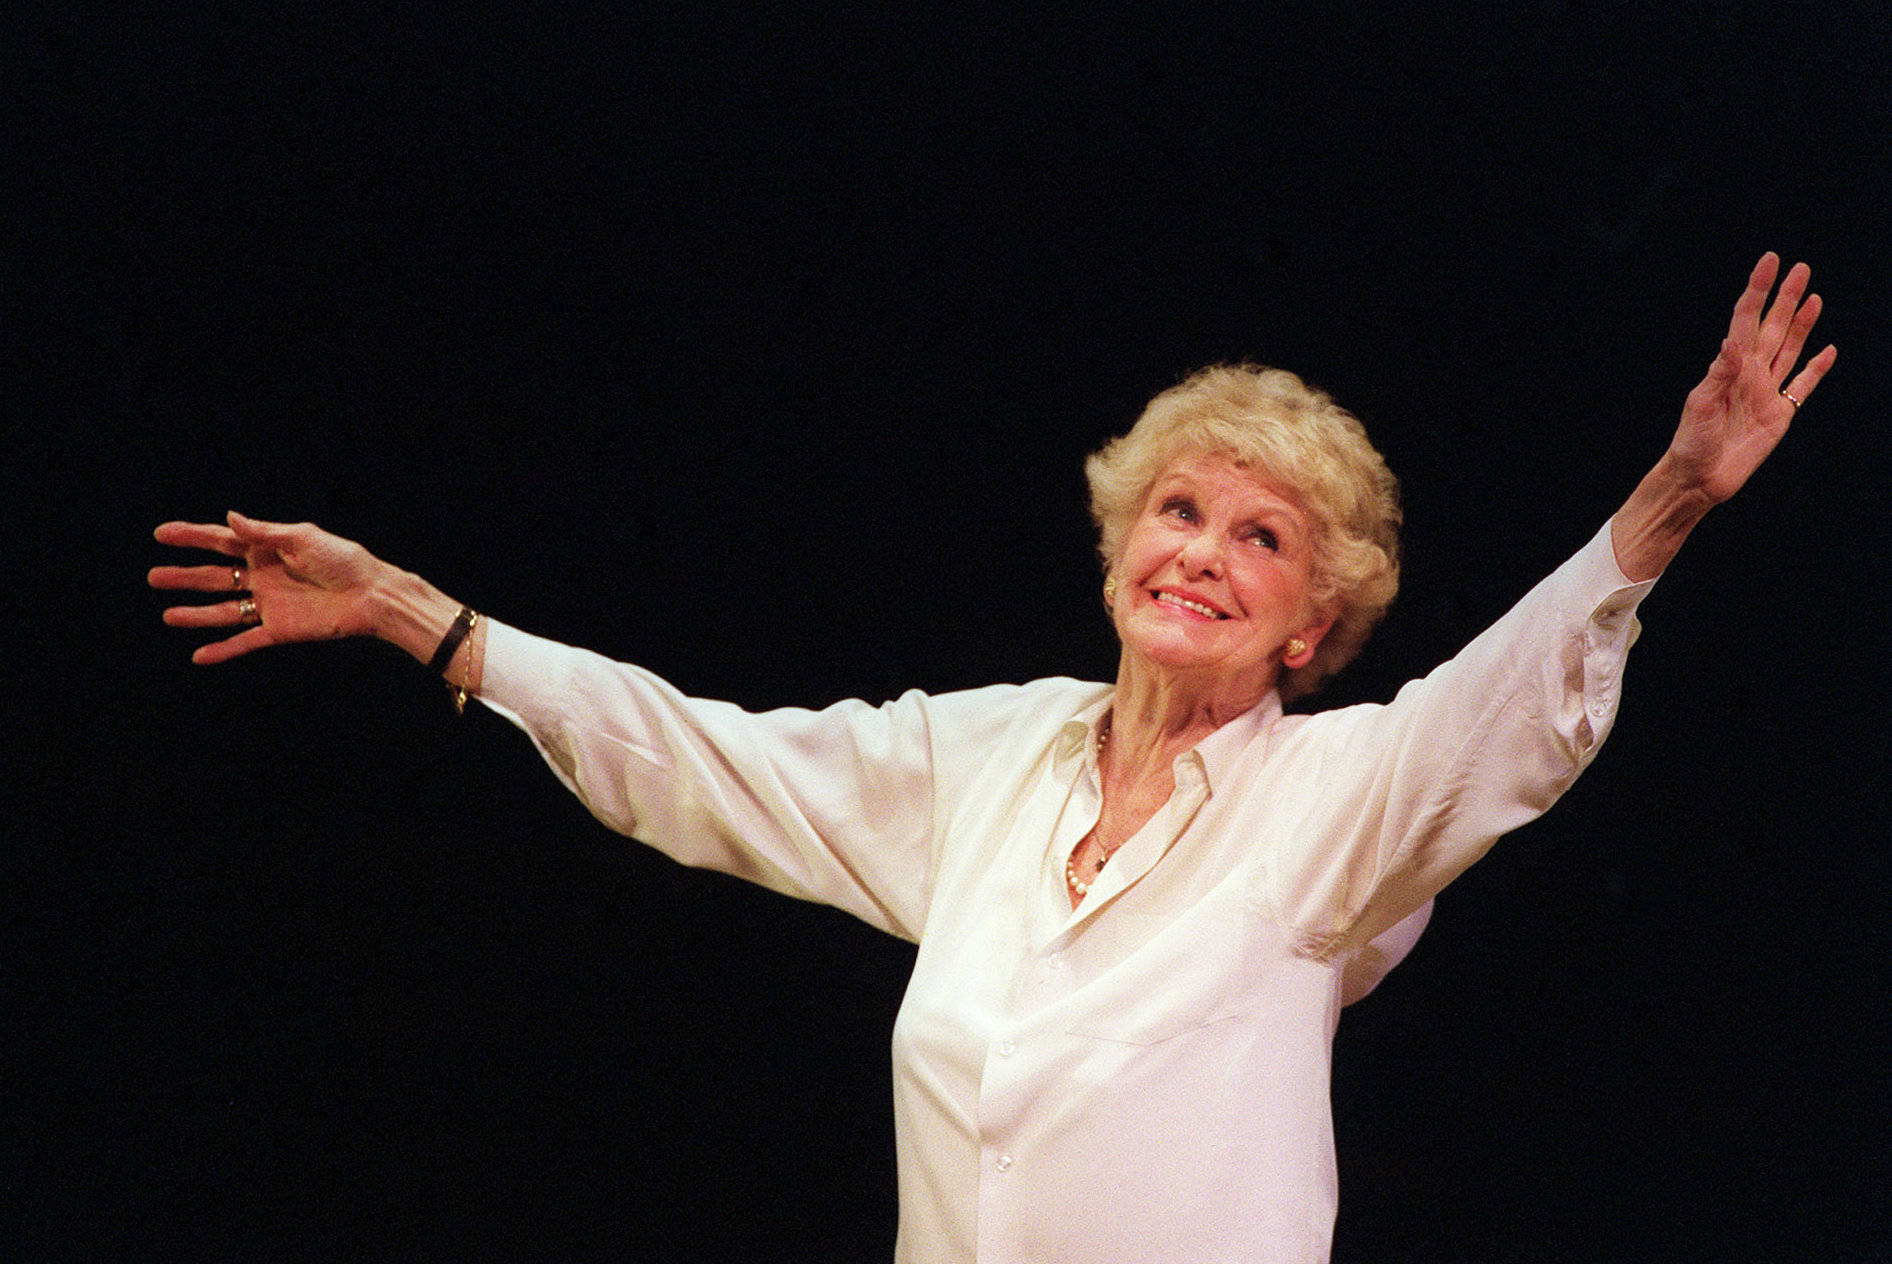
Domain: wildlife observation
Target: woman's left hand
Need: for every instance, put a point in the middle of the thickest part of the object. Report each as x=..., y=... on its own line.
x=1730, y=422
x=1733, y=419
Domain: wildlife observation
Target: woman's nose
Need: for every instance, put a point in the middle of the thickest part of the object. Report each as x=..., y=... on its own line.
x=1202, y=555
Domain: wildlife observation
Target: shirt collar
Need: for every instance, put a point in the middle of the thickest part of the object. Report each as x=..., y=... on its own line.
x=1219, y=753
x=1214, y=757
x=1078, y=734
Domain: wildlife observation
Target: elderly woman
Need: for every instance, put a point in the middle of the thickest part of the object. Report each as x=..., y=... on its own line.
x=1140, y=906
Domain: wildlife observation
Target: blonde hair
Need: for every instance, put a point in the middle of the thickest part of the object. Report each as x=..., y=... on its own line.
x=1270, y=421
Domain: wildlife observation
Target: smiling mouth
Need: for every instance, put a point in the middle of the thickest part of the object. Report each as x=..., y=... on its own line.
x=1184, y=603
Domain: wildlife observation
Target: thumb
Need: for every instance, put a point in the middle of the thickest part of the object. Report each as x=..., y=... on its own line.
x=276, y=535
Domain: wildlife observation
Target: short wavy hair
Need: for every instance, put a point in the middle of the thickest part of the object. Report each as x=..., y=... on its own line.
x=1270, y=421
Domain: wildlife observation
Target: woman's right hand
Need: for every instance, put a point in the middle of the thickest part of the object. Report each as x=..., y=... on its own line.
x=307, y=585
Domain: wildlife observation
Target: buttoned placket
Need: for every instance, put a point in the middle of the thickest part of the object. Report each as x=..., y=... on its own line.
x=1045, y=976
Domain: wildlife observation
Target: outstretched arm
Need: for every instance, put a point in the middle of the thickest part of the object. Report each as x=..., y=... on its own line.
x=836, y=806
x=1731, y=421
x=287, y=583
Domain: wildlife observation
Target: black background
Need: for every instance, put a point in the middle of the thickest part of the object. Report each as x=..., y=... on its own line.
x=761, y=344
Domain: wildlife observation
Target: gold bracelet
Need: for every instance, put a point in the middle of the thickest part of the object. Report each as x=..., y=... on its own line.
x=461, y=690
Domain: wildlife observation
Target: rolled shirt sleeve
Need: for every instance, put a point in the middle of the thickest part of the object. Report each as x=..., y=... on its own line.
x=1415, y=791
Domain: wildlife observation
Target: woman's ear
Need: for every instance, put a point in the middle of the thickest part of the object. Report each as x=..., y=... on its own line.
x=1299, y=651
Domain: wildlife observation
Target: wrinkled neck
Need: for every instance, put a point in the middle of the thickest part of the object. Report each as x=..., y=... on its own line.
x=1157, y=714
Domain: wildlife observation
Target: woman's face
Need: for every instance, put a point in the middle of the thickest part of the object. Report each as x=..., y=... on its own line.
x=1216, y=575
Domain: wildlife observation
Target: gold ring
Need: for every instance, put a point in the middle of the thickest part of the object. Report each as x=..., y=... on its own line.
x=1792, y=399
x=236, y=577
x=246, y=611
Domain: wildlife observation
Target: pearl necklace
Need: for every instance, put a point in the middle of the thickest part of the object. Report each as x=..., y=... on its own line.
x=1079, y=887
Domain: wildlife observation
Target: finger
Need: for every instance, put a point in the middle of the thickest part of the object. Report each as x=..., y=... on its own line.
x=1796, y=339
x=200, y=535
x=1781, y=312
x=217, y=614
x=231, y=647
x=1747, y=308
x=198, y=578
x=1804, y=382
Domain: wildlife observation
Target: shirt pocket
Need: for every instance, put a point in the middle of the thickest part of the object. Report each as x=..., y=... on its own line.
x=1167, y=976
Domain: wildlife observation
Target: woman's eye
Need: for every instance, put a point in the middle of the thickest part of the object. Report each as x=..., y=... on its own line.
x=1265, y=538
x=1180, y=508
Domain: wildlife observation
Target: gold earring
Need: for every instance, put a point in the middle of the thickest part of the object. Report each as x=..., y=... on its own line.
x=1294, y=648
x=1110, y=590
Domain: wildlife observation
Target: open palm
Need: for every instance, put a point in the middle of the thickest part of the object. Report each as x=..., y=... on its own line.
x=308, y=585
x=1740, y=410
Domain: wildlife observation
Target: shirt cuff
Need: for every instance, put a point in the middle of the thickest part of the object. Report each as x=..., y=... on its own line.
x=520, y=672
x=1609, y=629
x=1611, y=597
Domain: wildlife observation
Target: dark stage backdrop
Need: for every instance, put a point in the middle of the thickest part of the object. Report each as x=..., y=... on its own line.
x=760, y=344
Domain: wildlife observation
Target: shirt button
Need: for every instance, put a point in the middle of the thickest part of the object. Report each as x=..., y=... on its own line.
x=1007, y=1048
x=1004, y=1163
x=1054, y=962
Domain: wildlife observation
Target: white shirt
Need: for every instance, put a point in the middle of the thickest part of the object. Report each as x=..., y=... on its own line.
x=1146, y=1078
